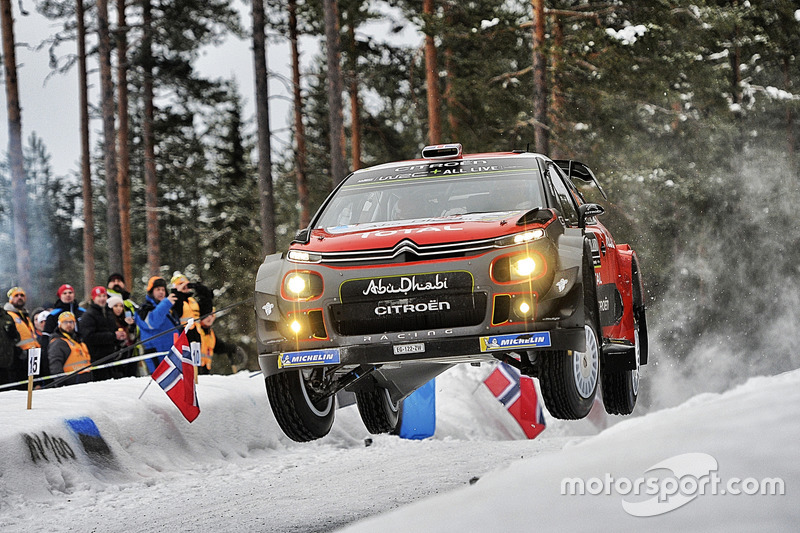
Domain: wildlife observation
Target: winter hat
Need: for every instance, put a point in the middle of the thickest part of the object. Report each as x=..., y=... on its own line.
x=177, y=279
x=13, y=291
x=66, y=315
x=64, y=287
x=41, y=317
x=97, y=291
x=155, y=281
x=114, y=300
x=115, y=275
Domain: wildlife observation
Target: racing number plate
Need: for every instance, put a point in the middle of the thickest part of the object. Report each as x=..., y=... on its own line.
x=403, y=349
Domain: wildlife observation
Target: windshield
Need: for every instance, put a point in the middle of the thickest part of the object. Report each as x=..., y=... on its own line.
x=435, y=189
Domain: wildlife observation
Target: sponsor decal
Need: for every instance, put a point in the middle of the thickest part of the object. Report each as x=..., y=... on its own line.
x=409, y=231
x=407, y=336
x=539, y=339
x=561, y=284
x=268, y=307
x=405, y=307
x=405, y=286
x=328, y=356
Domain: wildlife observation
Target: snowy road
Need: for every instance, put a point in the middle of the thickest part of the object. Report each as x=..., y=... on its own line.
x=232, y=469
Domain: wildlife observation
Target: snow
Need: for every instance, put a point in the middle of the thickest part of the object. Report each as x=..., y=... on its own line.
x=232, y=469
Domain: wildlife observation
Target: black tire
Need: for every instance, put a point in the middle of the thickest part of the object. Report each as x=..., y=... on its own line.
x=378, y=412
x=569, y=382
x=621, y=389
x=300, y=419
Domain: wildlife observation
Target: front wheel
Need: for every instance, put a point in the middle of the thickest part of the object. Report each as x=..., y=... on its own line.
x=378, y=412
x=290, y=396
x=569, y=378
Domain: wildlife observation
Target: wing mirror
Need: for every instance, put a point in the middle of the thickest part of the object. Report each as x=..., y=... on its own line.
x=588, y=211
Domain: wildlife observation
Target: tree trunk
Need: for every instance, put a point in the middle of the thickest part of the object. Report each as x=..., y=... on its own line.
x=556, y=93
x=109, y=135
x=432, y=78
x=355, y=107
x=299, y=129
x=150, y=178
x=262, y=119
x=86, y=169
x=123, y=176
x=335, y=117
x=540, y=131
x=790, y=137
x=18, y=186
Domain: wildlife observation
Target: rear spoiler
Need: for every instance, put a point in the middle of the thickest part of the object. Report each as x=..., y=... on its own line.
x=577, y=170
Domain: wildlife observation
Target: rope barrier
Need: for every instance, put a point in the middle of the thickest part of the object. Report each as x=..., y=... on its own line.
x=93, y=366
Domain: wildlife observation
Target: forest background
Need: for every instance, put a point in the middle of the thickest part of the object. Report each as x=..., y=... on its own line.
x=686, y=110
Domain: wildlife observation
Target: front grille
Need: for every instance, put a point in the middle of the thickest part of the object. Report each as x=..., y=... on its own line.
x=407, y=251
x=369, y=317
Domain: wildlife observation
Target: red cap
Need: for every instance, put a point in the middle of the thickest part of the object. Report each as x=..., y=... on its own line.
x=97, y=291
x=63, y=288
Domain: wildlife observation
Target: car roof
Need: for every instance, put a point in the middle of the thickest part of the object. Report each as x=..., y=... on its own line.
x=486, y=155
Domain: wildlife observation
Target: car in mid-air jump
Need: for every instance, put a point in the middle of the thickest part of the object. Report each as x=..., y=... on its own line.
x=411, y=267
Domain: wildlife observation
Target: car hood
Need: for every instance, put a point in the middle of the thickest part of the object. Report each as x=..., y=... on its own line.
x=382, y=235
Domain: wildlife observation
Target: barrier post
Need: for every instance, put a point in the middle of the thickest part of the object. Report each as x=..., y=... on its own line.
x=34, y=360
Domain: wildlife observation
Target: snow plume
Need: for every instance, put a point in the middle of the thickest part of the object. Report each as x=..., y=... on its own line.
x=733, y=308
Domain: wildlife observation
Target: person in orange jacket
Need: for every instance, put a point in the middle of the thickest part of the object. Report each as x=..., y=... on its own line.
x=26, y=329
x=66, y=352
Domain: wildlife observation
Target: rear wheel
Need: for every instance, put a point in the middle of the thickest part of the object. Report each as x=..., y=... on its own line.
x=300, y=417
x=569, y=378
x=378, y=412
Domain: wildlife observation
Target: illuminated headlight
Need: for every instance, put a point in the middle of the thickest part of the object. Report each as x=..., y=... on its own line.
x=516, y=268
x=524, y=267
x=521, y=238
x=302, y=285
x=295, y=326
x=300, y=256
x=524, y=308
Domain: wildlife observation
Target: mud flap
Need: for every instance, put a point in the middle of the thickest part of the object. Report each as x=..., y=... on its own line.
x=418, y=414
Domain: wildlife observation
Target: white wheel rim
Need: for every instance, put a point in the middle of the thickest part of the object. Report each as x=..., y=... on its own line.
x=586, y=365
x=635, y=371
x=311, y=406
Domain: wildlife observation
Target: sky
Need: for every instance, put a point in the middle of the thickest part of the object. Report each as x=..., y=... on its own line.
x=50, y=102
x=232, y=469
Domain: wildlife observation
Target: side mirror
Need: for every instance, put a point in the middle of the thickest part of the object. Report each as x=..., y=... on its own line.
x=302, y=236
x=588, y=211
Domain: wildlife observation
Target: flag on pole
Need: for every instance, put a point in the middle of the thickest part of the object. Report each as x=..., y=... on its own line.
x=175, y=374
x=518, y=394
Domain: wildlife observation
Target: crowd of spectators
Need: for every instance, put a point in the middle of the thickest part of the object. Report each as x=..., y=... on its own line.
x=110, y=327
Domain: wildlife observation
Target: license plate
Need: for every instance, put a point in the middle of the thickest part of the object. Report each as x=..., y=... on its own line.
x=402, y=349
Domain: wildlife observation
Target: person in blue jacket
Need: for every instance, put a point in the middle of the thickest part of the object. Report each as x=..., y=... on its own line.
x=154, y=318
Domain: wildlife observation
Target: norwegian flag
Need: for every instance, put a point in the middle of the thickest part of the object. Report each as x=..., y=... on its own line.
x=175, y=374
x=518, y=394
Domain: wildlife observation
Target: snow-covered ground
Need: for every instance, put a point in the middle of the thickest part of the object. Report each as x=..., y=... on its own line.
x=142, y=467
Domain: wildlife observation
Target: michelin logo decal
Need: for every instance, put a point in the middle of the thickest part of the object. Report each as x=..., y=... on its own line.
x=515, y=340
x=312, y=357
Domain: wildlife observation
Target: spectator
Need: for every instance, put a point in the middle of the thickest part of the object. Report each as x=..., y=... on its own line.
x=38, y=322
x=186, y=306
x=211, y=347
x=99, y=331
x=66, y=302
x=116, y=287
x=154, y=319
x=126, y=323
x=9, y=336
x=27, y=332
x=66, y=353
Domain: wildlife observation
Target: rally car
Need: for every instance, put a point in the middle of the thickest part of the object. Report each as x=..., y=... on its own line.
x=411, y=267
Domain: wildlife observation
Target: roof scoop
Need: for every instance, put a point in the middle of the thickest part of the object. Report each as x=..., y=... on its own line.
x=442, y=151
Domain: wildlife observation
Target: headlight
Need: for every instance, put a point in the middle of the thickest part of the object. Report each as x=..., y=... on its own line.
x=515, y=268
x=521, y=238
x=524, y=267
x=300, y=256
x=301, y=285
